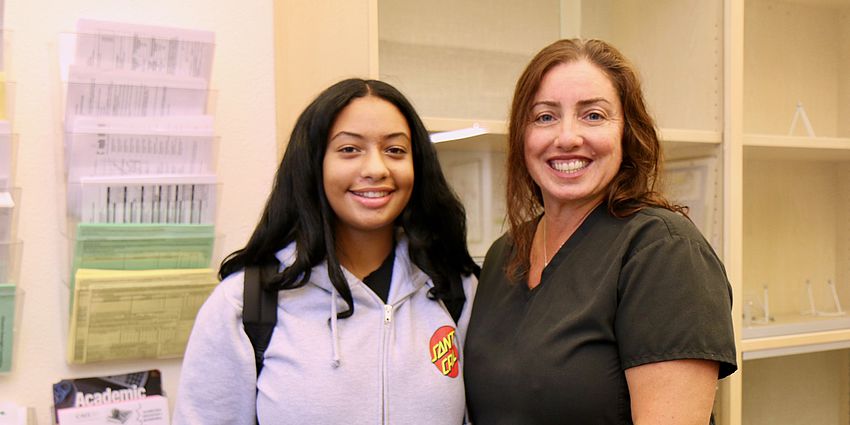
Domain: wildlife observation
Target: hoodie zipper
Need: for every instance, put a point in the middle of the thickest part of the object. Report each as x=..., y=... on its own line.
x=388, y=318
x=389, y=309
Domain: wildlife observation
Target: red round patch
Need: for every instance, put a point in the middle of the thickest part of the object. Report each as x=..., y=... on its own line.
x=443, y=351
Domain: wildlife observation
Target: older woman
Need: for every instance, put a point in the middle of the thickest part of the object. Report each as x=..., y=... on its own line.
x=602, y=304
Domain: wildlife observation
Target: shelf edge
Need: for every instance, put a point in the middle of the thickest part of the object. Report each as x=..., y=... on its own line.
x=778, y=141
x=794, y=341
x=674, y=135
x=438, y=124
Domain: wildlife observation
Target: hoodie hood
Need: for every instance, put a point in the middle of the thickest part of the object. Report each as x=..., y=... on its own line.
x=407, y=279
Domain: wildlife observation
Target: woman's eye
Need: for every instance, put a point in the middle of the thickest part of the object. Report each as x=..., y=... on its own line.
x=545, y=118
x=396, y=150
x=347, y=149
x=595, y=116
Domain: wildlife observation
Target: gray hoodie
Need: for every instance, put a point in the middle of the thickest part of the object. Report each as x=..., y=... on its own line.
x=395, y=363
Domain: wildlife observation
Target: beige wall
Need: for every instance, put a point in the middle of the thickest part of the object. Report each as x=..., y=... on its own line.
x=243, y=75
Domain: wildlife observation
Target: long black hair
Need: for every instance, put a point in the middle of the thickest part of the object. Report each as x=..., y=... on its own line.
x=298, y=211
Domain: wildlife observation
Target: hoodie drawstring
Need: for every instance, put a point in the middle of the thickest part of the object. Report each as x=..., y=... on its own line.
x=334, y=330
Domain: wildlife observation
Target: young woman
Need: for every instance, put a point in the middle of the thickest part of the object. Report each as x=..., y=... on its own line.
x=602, y=304
x=372, y=246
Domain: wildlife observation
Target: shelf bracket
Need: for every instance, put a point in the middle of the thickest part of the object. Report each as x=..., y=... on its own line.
x=800, y=113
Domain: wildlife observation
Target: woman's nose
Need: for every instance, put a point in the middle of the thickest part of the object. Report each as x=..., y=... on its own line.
x=569, y=135
x=374, y=166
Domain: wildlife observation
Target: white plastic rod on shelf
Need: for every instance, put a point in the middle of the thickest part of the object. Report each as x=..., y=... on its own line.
x=766, y=318
x=463, y=133
x=812, y=310
x=800, y=113
x=838, y=310
x=765, y=304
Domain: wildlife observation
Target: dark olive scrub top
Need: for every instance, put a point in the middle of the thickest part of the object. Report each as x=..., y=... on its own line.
x=619, y=293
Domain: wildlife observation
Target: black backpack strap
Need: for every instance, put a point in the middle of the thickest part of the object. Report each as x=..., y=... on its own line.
x=259, y=309
x=455, y=307
x=455, y=300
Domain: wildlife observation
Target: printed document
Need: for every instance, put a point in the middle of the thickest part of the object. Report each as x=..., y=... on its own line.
x=7, y=218
x=146, y=411
x=12, y=414
x=100, y=146
x=134, y=314
x=174, y=199
x=143, y=246
x=7, y=321
x=4, y=95
x=124, y=93
x=6, y=154
x=144, y=48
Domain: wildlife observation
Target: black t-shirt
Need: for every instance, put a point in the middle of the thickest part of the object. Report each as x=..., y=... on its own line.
x=618, y=294
x=379, y=280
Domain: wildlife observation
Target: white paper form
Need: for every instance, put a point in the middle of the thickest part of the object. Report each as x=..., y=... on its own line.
x=144, y=48
x=151, y=410
x=130, y=94
x=12, y=414
x=192, y=125
x=2, y=34
x=118, y=146
x=132, y=314
x=6, y=96
x=7, y=210
x=177, y=199
x=5, y=154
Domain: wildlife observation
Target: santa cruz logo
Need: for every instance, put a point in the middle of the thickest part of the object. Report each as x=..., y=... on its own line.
x=444, y=354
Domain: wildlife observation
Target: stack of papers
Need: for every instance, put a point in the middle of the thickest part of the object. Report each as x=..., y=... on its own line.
x=140, y=168
x=138, y=70
x=137, y=127
x=135, y=314
x=10, y=414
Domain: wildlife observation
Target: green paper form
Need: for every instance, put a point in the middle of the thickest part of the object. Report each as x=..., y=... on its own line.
x=7, y=321
x=135, y=246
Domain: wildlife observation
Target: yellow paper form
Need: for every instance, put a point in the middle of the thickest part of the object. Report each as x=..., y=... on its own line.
x=134, y=314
